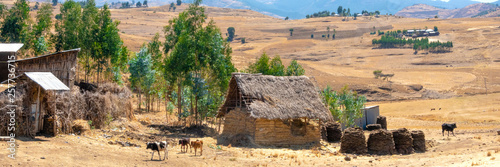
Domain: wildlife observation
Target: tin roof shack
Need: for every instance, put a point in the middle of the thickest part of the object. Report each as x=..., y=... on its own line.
x=61, y=64
x=369, y=117
x=7, y=50
x=271, y=110
x=35, y=100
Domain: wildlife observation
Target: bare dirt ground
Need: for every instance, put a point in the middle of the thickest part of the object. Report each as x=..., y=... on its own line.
x=475, y=143
x=456, y=82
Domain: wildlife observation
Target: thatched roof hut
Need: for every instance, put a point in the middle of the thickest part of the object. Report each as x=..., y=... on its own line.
x=273, y=110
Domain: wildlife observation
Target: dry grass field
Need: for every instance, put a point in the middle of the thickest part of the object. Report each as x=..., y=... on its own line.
x=456, y=82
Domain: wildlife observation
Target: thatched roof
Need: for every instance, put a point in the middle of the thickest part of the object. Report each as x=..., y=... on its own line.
x=272, y=97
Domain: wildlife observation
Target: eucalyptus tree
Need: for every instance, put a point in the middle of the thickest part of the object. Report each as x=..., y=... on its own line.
x=196, y=49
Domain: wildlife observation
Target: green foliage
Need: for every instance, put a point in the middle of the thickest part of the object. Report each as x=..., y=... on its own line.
x=243, y=40
x=65, y=37
x=196, y=49
x=276, y=67
x=340, y=11
x=138, y=4
x=179, y=2
x=266, y=66
x=140, y=68
x=261, y=66
x=435, y=28
x=145, y=3
x=54, y=2
x=325, y=13
x=41, y=46
x=44, y=18
x=295, y=69
x=15, y=26
x=3, y=10
x=286, y=18
x=312, y=35
x=230, y=31
x=291, y=31
x=377, y=73
x=346, y=106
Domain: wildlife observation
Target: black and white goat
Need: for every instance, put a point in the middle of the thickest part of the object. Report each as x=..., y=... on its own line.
x=158, y=146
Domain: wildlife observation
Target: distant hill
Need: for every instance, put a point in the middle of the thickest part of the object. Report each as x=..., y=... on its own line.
x=298, y=9
x=427, y=11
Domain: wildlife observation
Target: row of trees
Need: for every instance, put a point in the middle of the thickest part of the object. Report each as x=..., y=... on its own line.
x=340, y=11
x=90, y=29
x=389, y=41
x=129, y=5
x=267, y=66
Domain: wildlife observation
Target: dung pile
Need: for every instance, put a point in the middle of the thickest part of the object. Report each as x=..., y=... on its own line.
x=353, y=141
x=331, y=132
x=371, y=127
x=403, y=141
x=381, y=142
x=418, y=140
x=382, y=121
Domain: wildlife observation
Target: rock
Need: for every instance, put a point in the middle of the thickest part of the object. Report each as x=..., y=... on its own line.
x=371, y=127
x=418, y=140
x=42, y=157
x=331, y=131
x=381, y=142
x=416, y=87
x=347, y=158
x=498, y=131
x=111, y=142
x=403, y=141
x=382, y=120
x=353, y=141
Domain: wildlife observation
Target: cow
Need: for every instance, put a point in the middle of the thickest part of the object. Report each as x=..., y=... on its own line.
x=158, y=146
x=449, y=127
x=432, y=109
x=185, y=142
x=197, y=144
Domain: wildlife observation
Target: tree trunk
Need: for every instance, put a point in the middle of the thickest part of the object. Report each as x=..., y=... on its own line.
x=140, y=100
x=196, y=110
x=179, y=103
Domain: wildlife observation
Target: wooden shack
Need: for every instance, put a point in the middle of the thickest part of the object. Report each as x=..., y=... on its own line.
x=62, y=64
x=8, y=52
x=271, y=110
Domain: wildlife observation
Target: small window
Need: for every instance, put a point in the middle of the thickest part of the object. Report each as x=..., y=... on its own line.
x=298, y=127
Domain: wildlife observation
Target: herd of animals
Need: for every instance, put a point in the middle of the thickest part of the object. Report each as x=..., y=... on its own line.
x=184, y=143
x=198, y=144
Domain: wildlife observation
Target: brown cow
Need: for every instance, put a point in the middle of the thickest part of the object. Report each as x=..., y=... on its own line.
x=197, y=144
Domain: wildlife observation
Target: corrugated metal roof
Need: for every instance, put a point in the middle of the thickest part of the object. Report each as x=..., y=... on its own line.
x=64, y=51
x=10, y=47
x=46, y=80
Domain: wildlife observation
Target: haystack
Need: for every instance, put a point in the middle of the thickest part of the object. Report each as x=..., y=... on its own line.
x=382, y=121
x=403, y=141
x=353, y=141
x=381, y=142
x=279, y=111
x=418, y=140
x=80, y=126
x=331, y=131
